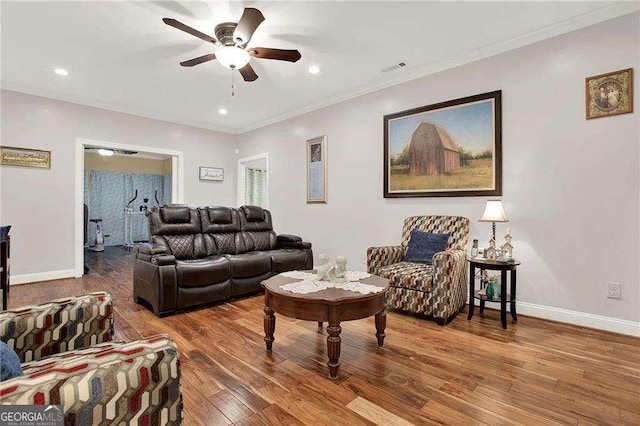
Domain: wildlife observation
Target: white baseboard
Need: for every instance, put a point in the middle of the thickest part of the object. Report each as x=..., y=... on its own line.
x=41, y=276
x=599, y=322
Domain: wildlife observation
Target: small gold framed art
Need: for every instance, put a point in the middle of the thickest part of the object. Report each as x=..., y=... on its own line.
x=12, y=156
x=609, y=94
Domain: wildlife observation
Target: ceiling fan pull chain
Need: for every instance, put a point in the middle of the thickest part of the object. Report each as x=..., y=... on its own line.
x=232, y=89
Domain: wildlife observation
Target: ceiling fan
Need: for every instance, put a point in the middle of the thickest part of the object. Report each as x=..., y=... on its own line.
x=232, y=40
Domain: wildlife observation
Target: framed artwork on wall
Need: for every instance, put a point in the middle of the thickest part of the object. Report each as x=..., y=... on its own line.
x=12, y=156
x=212, y=173
x=449, y=149
x=317, y=170
x=609, y=94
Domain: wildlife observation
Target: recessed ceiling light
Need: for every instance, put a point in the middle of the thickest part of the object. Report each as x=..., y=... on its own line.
x=106, y=152
x=61, y=71
x=314, y=69
x=222, y=111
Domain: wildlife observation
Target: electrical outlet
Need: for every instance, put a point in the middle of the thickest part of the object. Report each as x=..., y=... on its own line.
x=614, y=290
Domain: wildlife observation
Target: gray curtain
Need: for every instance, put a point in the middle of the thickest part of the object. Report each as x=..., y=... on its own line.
x=107, y=193
x=255, y=187
x=167, y=189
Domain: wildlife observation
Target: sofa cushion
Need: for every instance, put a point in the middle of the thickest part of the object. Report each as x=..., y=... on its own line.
x=182, y=246
x=423, y=245
x=175, y=214
x=253, y=218
x=259, y=241
x=249, y=264
x=416, y=276
x=173, y=220
x=202, y=272
x=287, y=260
x=253, y=213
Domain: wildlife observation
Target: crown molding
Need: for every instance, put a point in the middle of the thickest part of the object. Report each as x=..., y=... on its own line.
x=108, y=106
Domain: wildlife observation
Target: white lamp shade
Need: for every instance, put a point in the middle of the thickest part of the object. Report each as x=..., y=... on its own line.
x=232, y=57
x=494, y=212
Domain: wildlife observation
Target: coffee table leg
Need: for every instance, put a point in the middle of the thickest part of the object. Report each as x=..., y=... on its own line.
x=333, y=348
x=381, y=324
x=269, y=326
x=320, y=325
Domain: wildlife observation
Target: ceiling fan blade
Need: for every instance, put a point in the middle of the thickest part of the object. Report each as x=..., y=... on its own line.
x=187, y=29
x=198, y=60
x=248, y=73
x=278, y=54
x=251, y=19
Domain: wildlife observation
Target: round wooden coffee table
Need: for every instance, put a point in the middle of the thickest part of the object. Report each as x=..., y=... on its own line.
x=332, y=305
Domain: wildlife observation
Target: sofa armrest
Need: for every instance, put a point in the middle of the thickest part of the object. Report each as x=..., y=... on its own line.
x=163, y=259
x=377, y=257
x=114, y=383
x=154, y=253
x=61, y=325
x=291, y=241
x=449, y=280
x=150, y=249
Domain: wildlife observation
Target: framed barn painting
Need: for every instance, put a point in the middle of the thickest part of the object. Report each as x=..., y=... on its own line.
x=449, y=149
x=609, y=94
x=317, y=170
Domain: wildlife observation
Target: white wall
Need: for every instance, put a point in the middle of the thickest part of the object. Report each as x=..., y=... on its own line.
x=571, y=186
x=38, y=203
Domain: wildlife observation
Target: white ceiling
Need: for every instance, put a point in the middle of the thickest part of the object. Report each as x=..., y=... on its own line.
x=121, y=56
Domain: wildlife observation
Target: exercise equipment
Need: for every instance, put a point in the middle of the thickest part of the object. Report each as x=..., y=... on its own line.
x=128, y=222
x=99, y=241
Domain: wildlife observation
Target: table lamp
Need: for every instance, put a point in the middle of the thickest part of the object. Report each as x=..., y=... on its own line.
x=493, y=212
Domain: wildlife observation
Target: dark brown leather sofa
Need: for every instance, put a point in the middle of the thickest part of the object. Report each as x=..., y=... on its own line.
x=208, y=254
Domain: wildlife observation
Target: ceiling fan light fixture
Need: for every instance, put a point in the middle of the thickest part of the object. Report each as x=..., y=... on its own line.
x=314, y=69
x=232, y=57
x=106, y=152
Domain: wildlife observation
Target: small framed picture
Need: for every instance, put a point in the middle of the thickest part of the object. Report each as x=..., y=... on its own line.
x=212, y=173
x=609, y=94
x=12, y=156
x=317, y=170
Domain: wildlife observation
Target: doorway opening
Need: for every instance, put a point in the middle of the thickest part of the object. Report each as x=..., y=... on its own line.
x=118, y=189
x=253, y=180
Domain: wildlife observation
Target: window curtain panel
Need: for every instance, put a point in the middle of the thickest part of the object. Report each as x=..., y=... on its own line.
x=166, y=199
x=255, y=187
x=106, y=195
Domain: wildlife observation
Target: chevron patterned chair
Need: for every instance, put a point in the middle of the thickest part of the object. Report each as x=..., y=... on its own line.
x=69, y=359
x=438, y=290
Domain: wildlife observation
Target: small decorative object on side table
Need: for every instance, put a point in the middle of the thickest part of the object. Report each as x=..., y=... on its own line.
x=505, y=297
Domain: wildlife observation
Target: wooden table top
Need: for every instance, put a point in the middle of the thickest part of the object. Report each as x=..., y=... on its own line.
x=329, y=295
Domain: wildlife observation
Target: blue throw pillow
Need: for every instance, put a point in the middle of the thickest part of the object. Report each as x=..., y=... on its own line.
x=9, y=363
x=423, y=245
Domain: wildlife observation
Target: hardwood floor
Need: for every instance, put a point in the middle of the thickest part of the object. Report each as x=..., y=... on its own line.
x=469, y=372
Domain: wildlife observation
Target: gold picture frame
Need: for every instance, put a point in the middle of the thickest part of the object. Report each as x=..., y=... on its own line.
x=25, y=157
x=317, y=170
x=609, y=94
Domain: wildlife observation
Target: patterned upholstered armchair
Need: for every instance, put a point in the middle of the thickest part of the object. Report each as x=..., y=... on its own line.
x=68, y=359
x=438, y=290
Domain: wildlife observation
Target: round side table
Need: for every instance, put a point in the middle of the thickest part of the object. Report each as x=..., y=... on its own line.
x=505, y=297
